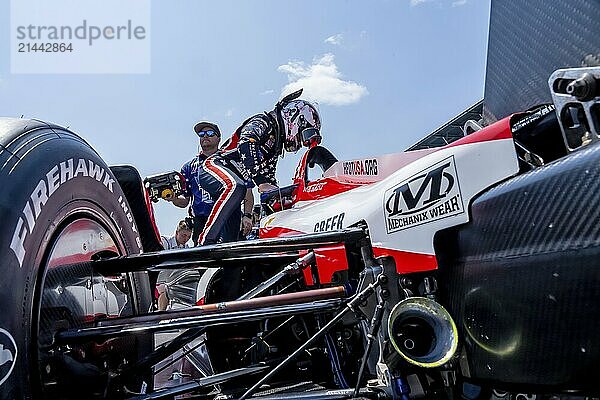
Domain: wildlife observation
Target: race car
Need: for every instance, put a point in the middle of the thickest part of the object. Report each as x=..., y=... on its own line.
x=465, y=270
x=400, y=276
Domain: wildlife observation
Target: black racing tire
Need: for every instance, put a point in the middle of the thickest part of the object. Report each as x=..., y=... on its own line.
x=38, y=198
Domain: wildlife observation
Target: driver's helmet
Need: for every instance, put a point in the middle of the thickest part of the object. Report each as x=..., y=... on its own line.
x=300, y=120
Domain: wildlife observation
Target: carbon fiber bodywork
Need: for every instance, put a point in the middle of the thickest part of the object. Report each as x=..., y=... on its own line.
x=528, y=41
x=130, y=181
x=521, y=280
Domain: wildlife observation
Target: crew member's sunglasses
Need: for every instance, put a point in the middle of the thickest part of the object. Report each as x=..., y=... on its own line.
x=209, y=133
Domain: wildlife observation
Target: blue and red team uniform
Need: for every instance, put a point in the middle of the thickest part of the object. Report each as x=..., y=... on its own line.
x=249, y=155
x=202, y=202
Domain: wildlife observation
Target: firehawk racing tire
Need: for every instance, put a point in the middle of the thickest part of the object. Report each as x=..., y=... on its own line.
x=59, y=204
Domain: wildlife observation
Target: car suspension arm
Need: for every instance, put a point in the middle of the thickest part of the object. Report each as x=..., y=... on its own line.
x=170, y=393
x=319, y=300
x=336, y=394
x=193, y=333
x=350, y=306
x=373, y=328
x=290, y=269
x=225, y=254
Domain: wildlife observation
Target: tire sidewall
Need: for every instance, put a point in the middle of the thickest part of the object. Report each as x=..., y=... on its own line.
x=22, y=200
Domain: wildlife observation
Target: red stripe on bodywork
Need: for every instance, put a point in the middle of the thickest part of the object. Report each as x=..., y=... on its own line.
x=496, y=131
x=227, y=187
x=277, y=231
x=406, y=261
x=328, y=187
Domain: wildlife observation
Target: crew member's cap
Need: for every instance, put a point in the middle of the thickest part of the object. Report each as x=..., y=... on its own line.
x=201, y=125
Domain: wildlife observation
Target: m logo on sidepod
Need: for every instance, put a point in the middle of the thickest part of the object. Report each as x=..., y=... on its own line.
x=430, y=195
x=8, y=355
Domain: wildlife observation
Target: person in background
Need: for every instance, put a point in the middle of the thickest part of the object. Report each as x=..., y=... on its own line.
x=182, y=235
x=179, y=240
x=202, y=202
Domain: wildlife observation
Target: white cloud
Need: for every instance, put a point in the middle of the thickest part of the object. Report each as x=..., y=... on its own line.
x=459, y=3
x=322, y=82
x=266, y=92
x=229, y=113
x=335, y=39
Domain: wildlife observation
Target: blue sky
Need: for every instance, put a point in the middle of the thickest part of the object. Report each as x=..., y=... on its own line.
x=384, y=72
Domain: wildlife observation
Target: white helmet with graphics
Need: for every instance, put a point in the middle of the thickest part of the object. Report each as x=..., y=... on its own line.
x=300, y=120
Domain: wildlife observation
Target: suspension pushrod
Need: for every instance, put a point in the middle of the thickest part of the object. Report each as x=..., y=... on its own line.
x=291, y=269
x=230, y=306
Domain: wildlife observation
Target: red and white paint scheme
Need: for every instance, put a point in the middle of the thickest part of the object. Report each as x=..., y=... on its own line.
x=403, y=198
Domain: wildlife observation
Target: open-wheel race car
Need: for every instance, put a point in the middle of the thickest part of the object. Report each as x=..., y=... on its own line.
x=468, y=270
